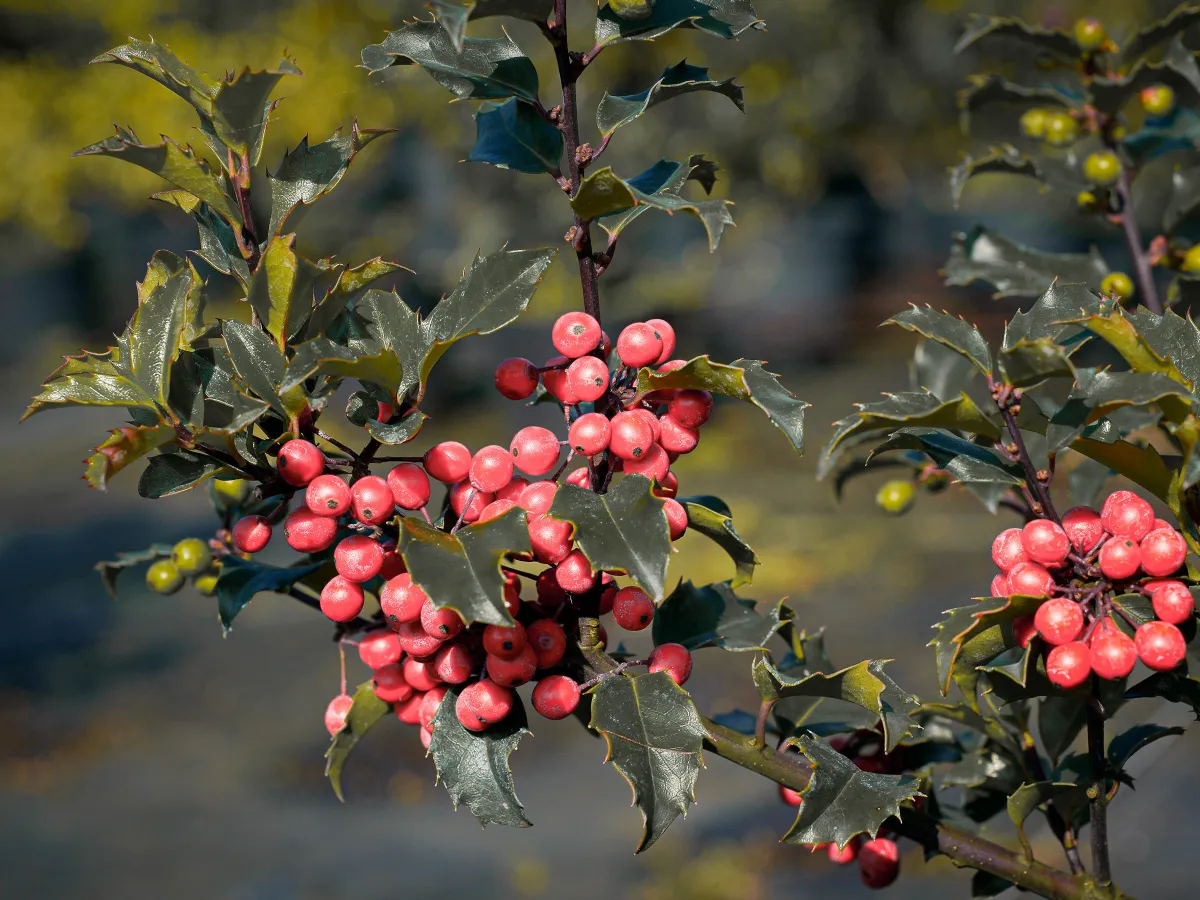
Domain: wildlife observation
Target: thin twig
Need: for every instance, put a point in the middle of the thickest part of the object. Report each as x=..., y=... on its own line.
x=1142, y=270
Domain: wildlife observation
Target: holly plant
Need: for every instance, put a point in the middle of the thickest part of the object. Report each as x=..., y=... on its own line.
x=462, y=575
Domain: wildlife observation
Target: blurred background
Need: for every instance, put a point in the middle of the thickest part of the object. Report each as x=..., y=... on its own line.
x=143, y=756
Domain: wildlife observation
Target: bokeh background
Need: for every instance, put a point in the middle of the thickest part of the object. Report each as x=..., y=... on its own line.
x=143, y=756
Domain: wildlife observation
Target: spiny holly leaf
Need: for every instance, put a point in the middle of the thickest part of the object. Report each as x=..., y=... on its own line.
x=1174, y=687
x=257, y=361
x=1060, y=720
x=951, y=331
x=939, y=370
x=123, y=446
x=972, y=635
x=453, y=14
x=841, y=800
x=514, y=135
x=1029, y=363
x=158, y=62
x=1146, y=39
x=483, y=69
x=241, y=580
x=985, y=90
x=1015, y=270
x=865, y=685
x=1006, y=159
x=615, y=111
x=322, y=357
x=1054, y=41
x=1109, y=389
x=963, y=714
x=712, y=518
x=1050, y=316
x=1124, y=745
x=365, y=711
x=110, y=569
x=1171, y=337
x=178, y=165
x=654, y=737
x=281, y=291
x=1178, y=70
x=1141, y=465
x=462, y=571
x=723, y=18
x=624, y=530
x=309, y=172
x=664, y=180
x=742, y=379
x=713, y=616
x=350, y=282
x=474, y=765
x=218, y=243
x=242, y=105
x=175, y=472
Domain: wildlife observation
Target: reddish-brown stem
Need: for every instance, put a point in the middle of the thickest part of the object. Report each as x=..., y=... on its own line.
x=1142, y=270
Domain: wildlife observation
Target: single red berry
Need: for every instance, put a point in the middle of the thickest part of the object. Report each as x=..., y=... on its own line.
x=516, y=378
x=1127, y=515
x=1160, y=646
x=422, y=674
x=495, y=510
x=631, y=437
x=1163, y=552
x=648, y=416
x=677, y=518
x=1000, y=586
x=1113, y=653
x=513, y=672
x=466, y=718
x=550, y=539
x=390, y=685
x=587, y=378
x=790, y=797
x=676, y=438
x=409, y=711
x=299, y=462
x=468, y=502
x=427, y=737
x=664, y=395
x=504, y=641
x=1160, y=523
x=654, y=464
x=337, y=712
x=371, y=500
x=691, y=408
x=556, y=696
x=1008, y=550
x=307, y=532
x=1023, y=631
x=448, y=462
x=416, y=641
x=429, y=705
x=327, y=495
x=633, y=609
x=549, y=594
x=1059, y=621
x=674, y=659
x=251, y=533
x=1028, y=579
x=409, y=485
x=639, y=345
x=393, y=562
x=871, y=764
x=401, y=600
x=538, y=497
x=535, y=450
x=548, y=641
x=841, y=856
x=444, y=623
x=385, y=412
x=380, y=648
x=1084, y=528
x=512, y=593
x=1069, y=665
x=1045, y=542
x=574, y=573
x=575, y=334
x=879, y=862
x=513, y=490
x=666, y=334
x=589, y=434
x=581, y=478
x=341, y=599
x=555, y=380
x=358, y=558
x=491, y=469
x=488, y=702
x=1120, y=558
x=608, y=593
x=668, y=486
x=1173, y=602
x=453, y=663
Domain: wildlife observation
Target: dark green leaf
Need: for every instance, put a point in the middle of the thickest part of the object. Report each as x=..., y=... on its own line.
x=939, y=370
x=972, y=635
x=218, y=245
x=1137, y=388
x=1172, y=337
x=474, y=765
x=241, y=580
x=723, y=18
x=737, y=720
x=397, y=432
x=1157, y=137
x=110, y=569
x=1054, y=41
x=453, y=14
x=322, y=357
x=350, y=282
x=986, y=90
x=1123, y=746
x=1086, y=480
x=1174, y=687
x=281, y=291
x=964, y=714
x=980, y=470
x=615, y=111
x=951, y=331
x=1029, y=363
x=1015, y=270
x=1050, y=315
x=1184, y=199
x=665, y=181
x=654, y=737
x=713, y=616
x=1029, y=797
x=1060, y=720
x=158, y=62
x=711, y=517
x=365, y=711
x=1180, y=20
x=985, y=885
x=242, y=105
x=172, y=473
x=1178, y=70
x=514, y=135
x=257, y=361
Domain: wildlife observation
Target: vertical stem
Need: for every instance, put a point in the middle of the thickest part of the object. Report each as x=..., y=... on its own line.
x=1143, y=272
x=1098, y=792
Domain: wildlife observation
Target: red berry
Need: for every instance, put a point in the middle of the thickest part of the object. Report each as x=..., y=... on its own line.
x=1163, y=552
x=548, y=641
x=513, y=490
x=1059, y=621
x=879, y=862
x=538, y=497
x=608, y=593
x=581, y=478
x=790, y=797
x=495, y=510
x=327, y=495
x=444, y=623
x=429, y=706
x=1084, y=528
x=422, y=674
x=401, y=600
x=306, y=532
x=390, y=685
x=1000, y=586
x=512, y=593
x=1045, y=542
x=574, y=573
x=380, y=648
x=1030, y=580
x=385, y=412
x=299, y=462
x=534, y=450
x=416, y=641
x=448, y=462
x=516, y=378
x=639, y=345
x=589, y=434
x=1113, y=653
x=677, y=518
x=650, y=419
x=371, y=500
x=513, y=672
x=1160, y=646
x=633, y=609
x=550, y=595
x=358, y=558
x=1007, y=550
x=1069, y=665
x=393, y=562
x=575, y=334
x=691, y=408
x=466, y=718
x=251, y=533
x=871, y=764
x=409, y=485
x=674, y=659
x=844, y=855
x=479, y=500
x=587, y=378
x=631, y=437
x=427, y=737
x=1127, y=515
x=1160, y=523
x=491, y=469
x=676, y=438
x=341, y=599
x=655, y=464
x=556, y=383
x=666, y=334
x=409, y=711
x=336, y=713
x=550, y=539
x=487, y=701
x=1120, y=558
x=504, y=641
x=1023, y=631
x=556, y=696
x=453, y=663
x=1173, y=602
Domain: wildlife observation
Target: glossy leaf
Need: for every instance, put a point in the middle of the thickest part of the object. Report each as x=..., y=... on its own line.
x=654, y=737
x=1174, y=687
x=218, y=244
x=711, y=517
x=351, y=281
x=1123, y=746
x=322, y=357
x=241, y=580
x=1029, y=363
x=110, y=569
x=939, y=370
x=365, y=712
x=242, y=105
x=1060, y=720
x=1030, y=797
x=1007, y=160
x=1015, y=270
x=1171, y=337
x=713, y=615
x=1108, y=389
x=616, y=111
x=664, y=180
x=159, y=62
x=1050, y=316
x=397, y=432
x=972, y=635
x=453, y=14
x=722, y=18
x=950, y=331
x=123, y=446
x=175, y=472
x=281, y=291
x=514, y=135
x=256, y=359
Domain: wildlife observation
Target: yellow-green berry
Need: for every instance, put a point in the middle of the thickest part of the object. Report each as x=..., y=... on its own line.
x=1033, y=123
x=1191, y=259
x=163, y=578
x=206, y=584
x=1086, y=201
x=1061, y=129
x=1118, y=284
x=191, y=556
x=895, y=497
x=1102, y=167
x=632, y=9
x=1158, y=100
x=231, y=492
x=1090, y=34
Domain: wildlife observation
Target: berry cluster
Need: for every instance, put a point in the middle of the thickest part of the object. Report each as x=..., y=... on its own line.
x=1081, y=566
x=190, y=558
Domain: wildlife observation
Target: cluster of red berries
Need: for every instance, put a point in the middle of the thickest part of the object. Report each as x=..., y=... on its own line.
x=1081, y=566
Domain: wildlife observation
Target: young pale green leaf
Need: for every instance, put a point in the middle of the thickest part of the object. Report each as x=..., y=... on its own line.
x=943, y=372
x=654, y=737
x=474, y=765
x=281, y=291
x=157, y=61
x=712, y=518
x=713, y=615
x=242, y=106
x=1050, y=316
x=1029, y=363
x=1123, y=746
x=462, y=571
x=722, y=18
x=110, y=569
x=218, y=243
x=615, y=111
x=1015, y=270
x=453, y=14
x=624, y=530
x=951, y=331
x=841, y=800
x=1178, y=70
x=365, y=711
x=1054, y=41
x=241, y=580
x=123, y=446
x=972, y=635
x=514, y=135
x=743, y=380
x=986, y=90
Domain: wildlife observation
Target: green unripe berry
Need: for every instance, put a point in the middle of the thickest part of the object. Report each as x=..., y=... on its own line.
x=1090, y=34
x=632, y=9
x=1033, y=122
x=206, y=584
x=1102, y=167
x=1191, y=259
x=1086, y=201
x=231, y=492
x=895, y=497
x=191, y=556
x=163, y=578
x=1158, y=100
x=1061, y=129
x=1118, y=284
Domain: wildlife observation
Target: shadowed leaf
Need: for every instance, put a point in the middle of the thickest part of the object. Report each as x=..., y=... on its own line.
x=513, y=135
x=972, y=635
x=241, y=580
x=365, y=711
x=722, y=18
x=615, y=111
x=713, y=616
x=711, y=517
x=951, y=331
x=453, y=14
x=110, y=569
x=1015, y=270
